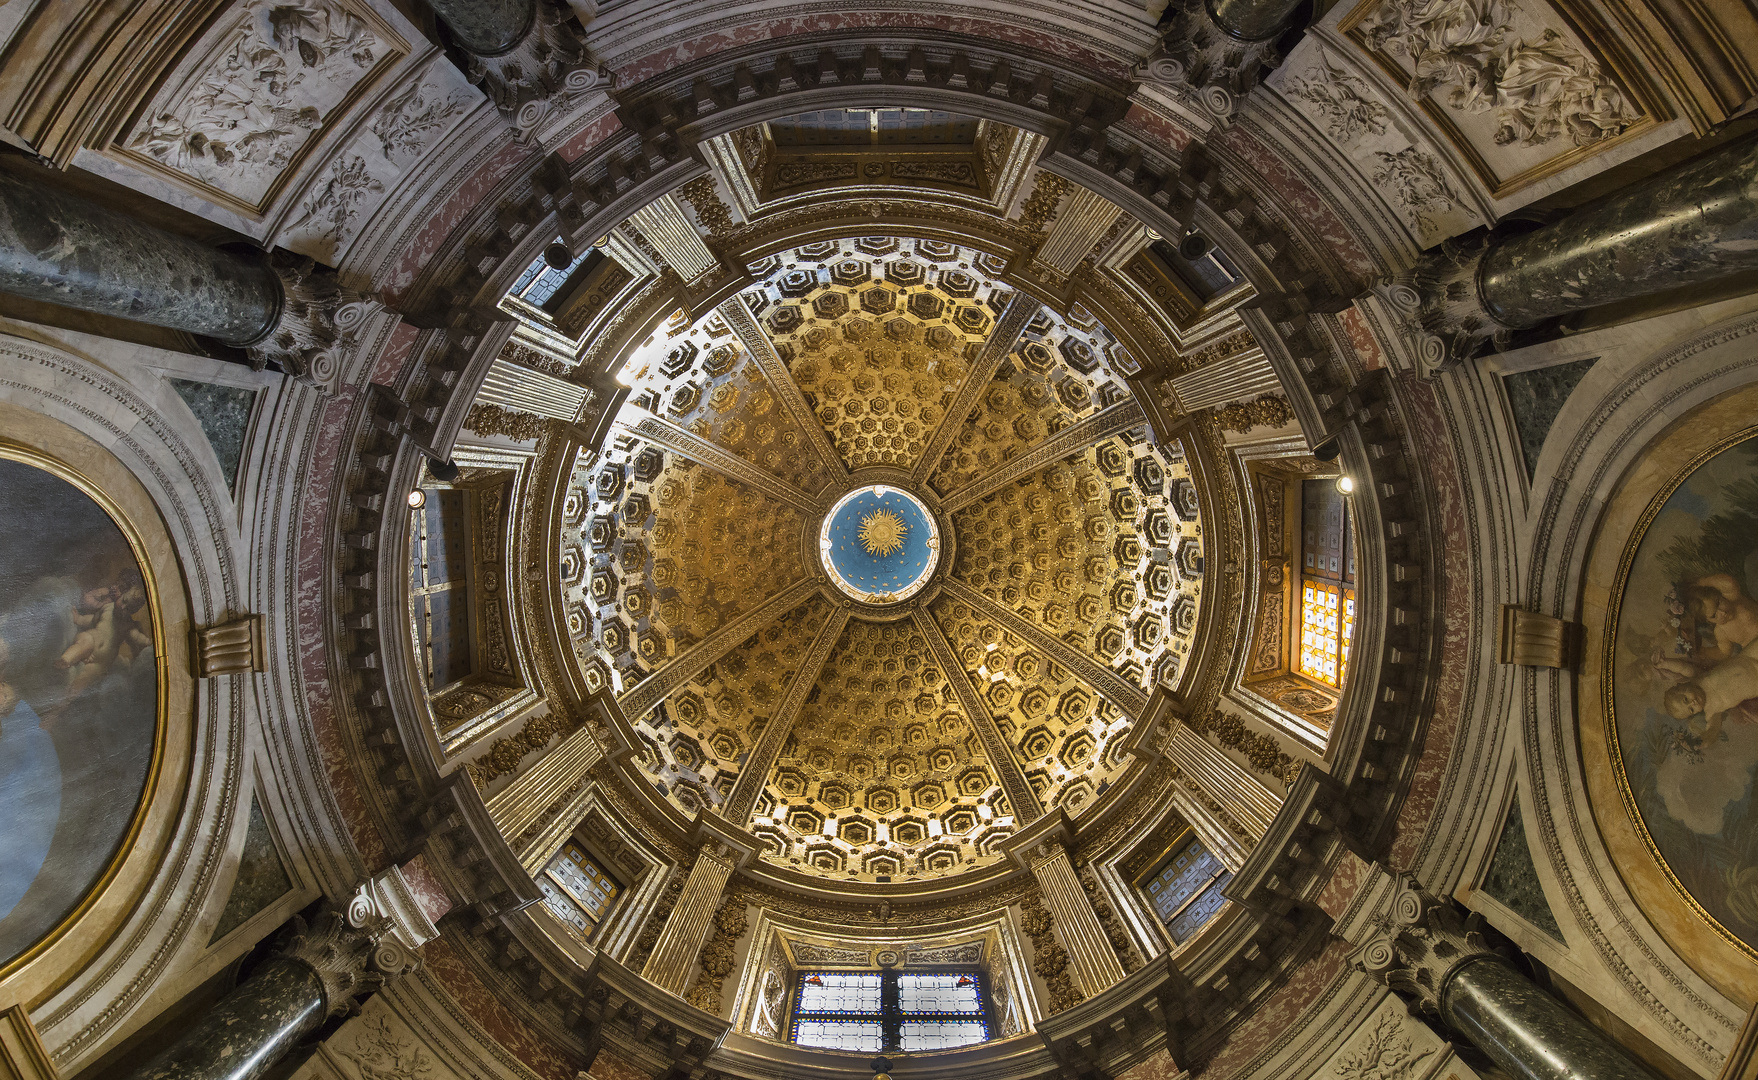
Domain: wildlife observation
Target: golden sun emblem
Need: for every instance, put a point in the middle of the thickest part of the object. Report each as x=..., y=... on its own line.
x=882, y=532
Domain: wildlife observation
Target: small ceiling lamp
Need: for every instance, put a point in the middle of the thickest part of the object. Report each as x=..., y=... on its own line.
x=417, y=498
x=1346, y=484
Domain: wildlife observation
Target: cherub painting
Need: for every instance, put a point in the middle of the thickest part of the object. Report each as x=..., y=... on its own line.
x=78, y=697
x=1685, y=684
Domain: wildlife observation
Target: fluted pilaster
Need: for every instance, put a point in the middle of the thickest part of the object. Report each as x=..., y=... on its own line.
x=674, y=956
x=1077, y=926
x=531, y=811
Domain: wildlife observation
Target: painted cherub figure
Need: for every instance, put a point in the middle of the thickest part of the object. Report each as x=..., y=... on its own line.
x=1717, y=600
x=1725, y=694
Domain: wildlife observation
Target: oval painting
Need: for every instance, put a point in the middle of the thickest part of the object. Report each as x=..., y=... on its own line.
x=1684, y=691
x=79, y=699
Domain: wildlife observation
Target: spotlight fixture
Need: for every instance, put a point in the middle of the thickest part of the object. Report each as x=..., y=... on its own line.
x=558, y=256
x=443, y=471
x=417, y=498
x=1194, y=246
x=1327, y=450
x=1346, y=484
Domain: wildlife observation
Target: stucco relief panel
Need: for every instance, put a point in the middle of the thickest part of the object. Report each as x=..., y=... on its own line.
x=1354, y=115
x=348, y=189
x=263, y=86
x=1513, y=84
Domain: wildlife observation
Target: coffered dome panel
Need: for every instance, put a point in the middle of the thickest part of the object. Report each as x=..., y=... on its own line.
x=695, y=741
x=883, y=777
x=879, y=333
x=670, y=551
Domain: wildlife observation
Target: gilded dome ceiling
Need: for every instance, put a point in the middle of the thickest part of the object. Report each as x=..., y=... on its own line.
x=889, y=737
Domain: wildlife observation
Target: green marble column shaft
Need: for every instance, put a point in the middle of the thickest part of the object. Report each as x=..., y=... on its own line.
x=1527, y=1031
x=243, y=1036
x=1685, y=226
x=1252, y=20
x=65, y=250
x=487, y=27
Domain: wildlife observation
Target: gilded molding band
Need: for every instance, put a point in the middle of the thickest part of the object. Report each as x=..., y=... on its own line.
x=756, y=341
x=696, y=448
x=640, y=700
x=757, y=767
x=1018, y=314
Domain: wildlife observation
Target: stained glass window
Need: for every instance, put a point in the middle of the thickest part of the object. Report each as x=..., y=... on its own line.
x=1327, y=584
x=577, y=890
x=541, y=281
x=1185, y=889
x=888, y=1012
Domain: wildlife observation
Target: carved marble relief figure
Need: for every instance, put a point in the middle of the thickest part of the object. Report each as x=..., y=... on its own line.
x=79, y=689
x=1685, y=685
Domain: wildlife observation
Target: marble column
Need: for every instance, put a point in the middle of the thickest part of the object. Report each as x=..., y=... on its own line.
x=1252, y=20
x=1690, y=225
x=1427, y=949
x=486, y=27
x=1526, y=1030
x=1076, y=925
x=282, y=309
x=674, y=955
x=318, y=973
x=62, y=249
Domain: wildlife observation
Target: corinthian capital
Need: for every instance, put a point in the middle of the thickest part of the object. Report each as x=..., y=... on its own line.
x=371, y=940
x=1198, y=58
x=1420, y=942
x=546, y=71
x=315, y=325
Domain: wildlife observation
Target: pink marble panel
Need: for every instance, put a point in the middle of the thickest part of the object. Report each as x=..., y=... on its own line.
x=1367, y=347
x=395, y=354
x=533, y=1050
x=311, y=611
x=609, y=1066
x=1153, y=128
x=1279, y=1013
x=1159, y=1067
x=1434, y=448
x=768, y=29
x=427, y=890
x=432, y=235
x=1347, y=879
x=1320, y=222
x=591, y=135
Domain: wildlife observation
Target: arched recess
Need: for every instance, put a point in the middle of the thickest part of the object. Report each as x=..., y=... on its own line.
x=1637, y=422
x=135, y=939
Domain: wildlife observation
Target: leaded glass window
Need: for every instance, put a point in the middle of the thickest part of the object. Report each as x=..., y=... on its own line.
x=1185, y=889
x=439, y=575
x=577, y=890
x=890, y=1012
x=1327, y=584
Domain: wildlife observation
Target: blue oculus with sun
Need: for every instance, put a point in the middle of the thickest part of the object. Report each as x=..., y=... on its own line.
x=879, y=544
